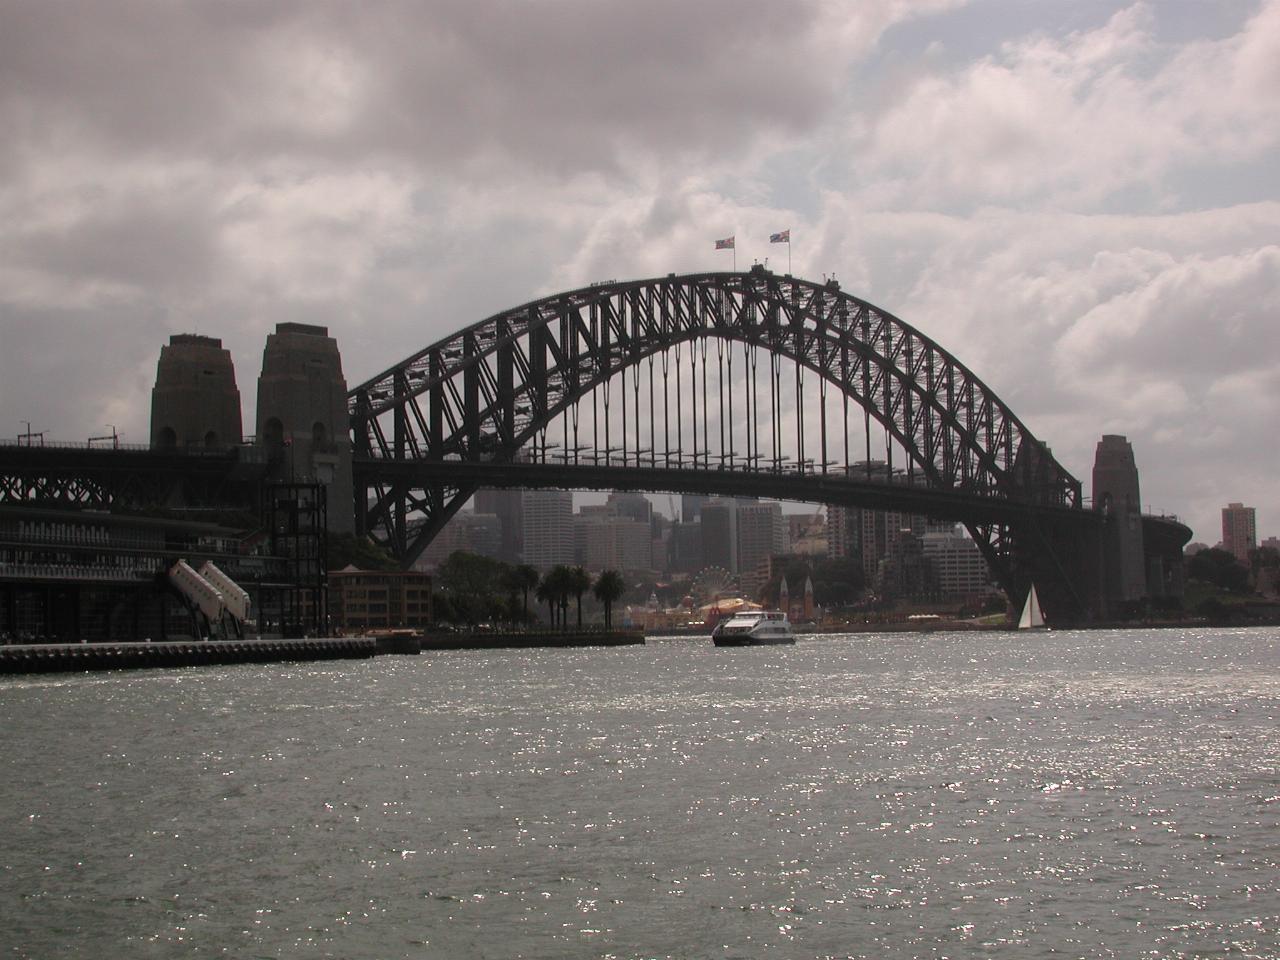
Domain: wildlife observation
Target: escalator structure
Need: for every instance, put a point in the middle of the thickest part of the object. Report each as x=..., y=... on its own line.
x=219, y=607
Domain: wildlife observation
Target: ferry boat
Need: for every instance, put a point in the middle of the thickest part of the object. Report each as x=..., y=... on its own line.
x=750, y=628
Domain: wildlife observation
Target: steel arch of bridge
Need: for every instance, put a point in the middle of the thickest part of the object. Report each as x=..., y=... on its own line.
x=455, y=416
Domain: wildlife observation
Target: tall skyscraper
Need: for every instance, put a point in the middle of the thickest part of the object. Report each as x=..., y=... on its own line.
x=1239, y=530
x=867, y=535
x=761, y=535
x=719, y=522
x=631, y=506
x=506, y=506
x=691, y=506
x=471, y=531
x=547, y=524
x=685, y=554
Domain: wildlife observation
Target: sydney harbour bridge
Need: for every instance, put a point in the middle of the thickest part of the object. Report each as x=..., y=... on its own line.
x=743, y=384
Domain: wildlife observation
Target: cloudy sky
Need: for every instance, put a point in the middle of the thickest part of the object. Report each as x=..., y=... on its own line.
x=1080, y=199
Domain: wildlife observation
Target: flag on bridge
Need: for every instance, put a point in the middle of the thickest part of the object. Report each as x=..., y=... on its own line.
x=783, y=237
x=725, y=244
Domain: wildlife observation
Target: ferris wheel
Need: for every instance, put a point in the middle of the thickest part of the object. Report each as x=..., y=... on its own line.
x=712, y=583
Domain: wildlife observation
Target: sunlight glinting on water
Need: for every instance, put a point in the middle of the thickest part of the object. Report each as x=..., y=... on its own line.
x=1098, y=795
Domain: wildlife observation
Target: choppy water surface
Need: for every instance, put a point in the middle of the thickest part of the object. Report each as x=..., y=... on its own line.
x=1071, y=794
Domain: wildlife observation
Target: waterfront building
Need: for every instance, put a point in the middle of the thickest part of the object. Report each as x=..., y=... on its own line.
x=1239, y=531
x=97, y=576
x=365, y=600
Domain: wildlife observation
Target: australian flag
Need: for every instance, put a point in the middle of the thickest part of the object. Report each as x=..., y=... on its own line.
x=725, y=244
x=783, y=237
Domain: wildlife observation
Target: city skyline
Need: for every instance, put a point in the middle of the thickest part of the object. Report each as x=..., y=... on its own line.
x=1078, y=201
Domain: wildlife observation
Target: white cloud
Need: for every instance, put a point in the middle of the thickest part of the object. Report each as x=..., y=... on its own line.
x=1071, y=120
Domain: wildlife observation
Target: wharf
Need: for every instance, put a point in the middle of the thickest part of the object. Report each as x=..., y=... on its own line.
x=521, y=639
x=68, y=657
x=73, y=657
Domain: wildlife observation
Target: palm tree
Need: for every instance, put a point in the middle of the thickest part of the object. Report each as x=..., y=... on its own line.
x=526, y=577
x=555, y=589
x=579, y=581
x=609, y=587
x=545, y=593
x=561, y=582
x=520, y=579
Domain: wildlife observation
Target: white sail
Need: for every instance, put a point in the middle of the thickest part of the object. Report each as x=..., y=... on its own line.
x=1031, y=617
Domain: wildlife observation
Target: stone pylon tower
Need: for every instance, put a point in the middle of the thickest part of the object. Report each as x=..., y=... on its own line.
x=195, y=402
x=1116, y=494
x=302, y=415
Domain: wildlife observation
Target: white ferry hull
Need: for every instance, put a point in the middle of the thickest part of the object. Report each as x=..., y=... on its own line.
x=743, y=640
x=753, y=630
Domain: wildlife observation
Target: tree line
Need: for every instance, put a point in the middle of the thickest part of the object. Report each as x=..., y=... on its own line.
x=475, y=589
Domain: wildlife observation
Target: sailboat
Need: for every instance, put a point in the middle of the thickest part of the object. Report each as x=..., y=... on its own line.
x=1032, y=618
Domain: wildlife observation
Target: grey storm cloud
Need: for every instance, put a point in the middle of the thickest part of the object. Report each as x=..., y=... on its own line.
x=556, y=85
x=1081, y=203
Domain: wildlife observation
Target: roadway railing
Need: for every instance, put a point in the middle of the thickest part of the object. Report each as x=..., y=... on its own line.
x=193, y=450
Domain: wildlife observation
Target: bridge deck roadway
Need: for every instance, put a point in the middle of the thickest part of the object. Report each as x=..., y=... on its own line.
x=832, y=489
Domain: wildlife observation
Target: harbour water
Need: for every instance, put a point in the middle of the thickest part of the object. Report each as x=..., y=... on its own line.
x=1075, y=794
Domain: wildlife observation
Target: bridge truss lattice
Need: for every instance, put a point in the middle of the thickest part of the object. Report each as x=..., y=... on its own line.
x=736, y=383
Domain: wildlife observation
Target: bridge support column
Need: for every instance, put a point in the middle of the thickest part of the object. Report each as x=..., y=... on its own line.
x=1116, y=495
x=302, y=415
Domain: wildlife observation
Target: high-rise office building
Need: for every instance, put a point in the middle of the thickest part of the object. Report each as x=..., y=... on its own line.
x=719, y=522
x=631, y=506
x=506, y=506
x=547, y=524
x=685, y=548
x=868, y=535
x=609, y=540
x=691, y=506
x=473, y=532
x=761, y=535
x=958, y=564
x=1239, y=530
